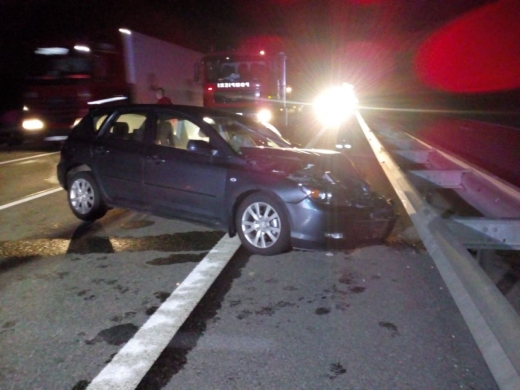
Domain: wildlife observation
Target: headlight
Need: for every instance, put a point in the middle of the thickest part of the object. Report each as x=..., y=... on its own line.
x=264, y=115
x=317, y=194
x=32, y=124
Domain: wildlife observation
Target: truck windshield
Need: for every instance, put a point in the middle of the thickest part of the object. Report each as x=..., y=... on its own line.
x=60, y=68
x=229, y=69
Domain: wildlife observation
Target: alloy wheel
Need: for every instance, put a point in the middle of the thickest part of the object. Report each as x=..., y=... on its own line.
x=82, y=196
x=261, y=225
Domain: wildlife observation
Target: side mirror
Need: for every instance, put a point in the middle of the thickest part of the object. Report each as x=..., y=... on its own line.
x=199, y=146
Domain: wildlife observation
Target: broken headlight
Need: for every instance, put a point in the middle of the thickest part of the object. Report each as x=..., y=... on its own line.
x=317, y=194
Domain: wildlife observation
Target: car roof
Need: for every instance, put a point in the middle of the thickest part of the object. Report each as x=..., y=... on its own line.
x=190, y=110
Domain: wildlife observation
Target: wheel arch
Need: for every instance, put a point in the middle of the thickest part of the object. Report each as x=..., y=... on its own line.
x=76, y=169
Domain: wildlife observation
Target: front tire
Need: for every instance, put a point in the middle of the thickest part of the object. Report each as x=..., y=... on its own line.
x=262, y=225
x=84, y=197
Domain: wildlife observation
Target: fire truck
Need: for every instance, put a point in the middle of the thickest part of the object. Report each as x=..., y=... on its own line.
x=68, y=76
x=247, y=83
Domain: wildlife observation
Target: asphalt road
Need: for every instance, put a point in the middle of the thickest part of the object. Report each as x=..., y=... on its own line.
x=376, y=317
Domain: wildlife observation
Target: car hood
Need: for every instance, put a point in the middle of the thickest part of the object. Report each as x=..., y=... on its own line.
x=286, y=161
x=325, y=170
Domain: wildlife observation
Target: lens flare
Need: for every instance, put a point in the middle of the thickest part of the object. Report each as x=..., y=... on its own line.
x=336, y=104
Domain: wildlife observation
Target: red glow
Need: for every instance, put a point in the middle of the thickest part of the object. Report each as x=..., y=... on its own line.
x=210, y=88
x=365, y=2
x=488, y=146
x=268, y=43
x=478, y=52
x=366, y=64
x=359, y=2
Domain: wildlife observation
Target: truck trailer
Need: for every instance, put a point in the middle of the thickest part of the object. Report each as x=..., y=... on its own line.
x=67, y=77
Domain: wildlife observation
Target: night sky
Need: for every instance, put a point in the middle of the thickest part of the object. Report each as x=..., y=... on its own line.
x=435, y=44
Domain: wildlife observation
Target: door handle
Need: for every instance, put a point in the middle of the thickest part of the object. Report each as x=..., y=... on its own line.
x=155, y=159
x=100, y=150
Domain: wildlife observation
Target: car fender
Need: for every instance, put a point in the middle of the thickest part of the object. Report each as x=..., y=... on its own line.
x=282, y=191
x=85, y=168
x=72, y=171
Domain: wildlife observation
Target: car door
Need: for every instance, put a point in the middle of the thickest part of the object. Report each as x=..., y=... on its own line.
x=182, y=183
x=118, y=157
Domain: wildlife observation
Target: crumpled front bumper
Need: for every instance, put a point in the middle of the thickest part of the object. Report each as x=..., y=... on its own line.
x=320, y=227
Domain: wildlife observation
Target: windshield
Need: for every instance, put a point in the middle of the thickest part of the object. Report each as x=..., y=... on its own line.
x=58, y=67
x=243, y=133
x=235, y=69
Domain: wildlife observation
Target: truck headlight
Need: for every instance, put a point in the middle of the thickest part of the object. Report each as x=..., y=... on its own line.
x=32, y=124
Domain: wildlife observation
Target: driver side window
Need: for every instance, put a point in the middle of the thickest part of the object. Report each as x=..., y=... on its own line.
x=175, y=132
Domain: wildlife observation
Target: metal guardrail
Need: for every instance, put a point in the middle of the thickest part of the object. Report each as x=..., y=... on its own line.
x=492, y=321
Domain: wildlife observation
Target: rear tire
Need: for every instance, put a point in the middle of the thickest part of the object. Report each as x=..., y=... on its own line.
x=262, y=225
x=85, y=198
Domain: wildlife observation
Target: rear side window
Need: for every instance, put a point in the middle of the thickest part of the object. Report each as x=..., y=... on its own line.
x=128, y=126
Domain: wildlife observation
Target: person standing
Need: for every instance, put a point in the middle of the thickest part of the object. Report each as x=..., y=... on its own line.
x=161, y=99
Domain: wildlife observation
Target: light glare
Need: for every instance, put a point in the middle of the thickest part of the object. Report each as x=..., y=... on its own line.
x=336, y=104
x=264, y=115
x=86, y=49
x=52, y=51
x=109, y=100
x=32, y=124
x=76, y=122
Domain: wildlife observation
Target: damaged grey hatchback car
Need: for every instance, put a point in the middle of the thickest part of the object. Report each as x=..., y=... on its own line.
x=221, y=170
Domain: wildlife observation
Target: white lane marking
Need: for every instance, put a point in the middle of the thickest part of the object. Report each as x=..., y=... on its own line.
x=133, y=361
x=28, y=158
x=31, y=197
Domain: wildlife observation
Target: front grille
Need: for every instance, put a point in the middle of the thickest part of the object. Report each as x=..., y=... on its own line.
x=234, y=97
x=56, y=110
x=373, y=230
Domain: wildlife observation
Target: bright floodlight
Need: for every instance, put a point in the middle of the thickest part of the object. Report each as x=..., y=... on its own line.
x=264, y=115
x=336, y=104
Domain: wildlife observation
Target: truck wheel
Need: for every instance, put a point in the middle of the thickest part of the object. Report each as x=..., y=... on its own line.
x=262, y=225
x=84, y=197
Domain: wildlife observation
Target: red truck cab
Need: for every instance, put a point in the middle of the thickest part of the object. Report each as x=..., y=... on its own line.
x=65, y=78
x=251, y=84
